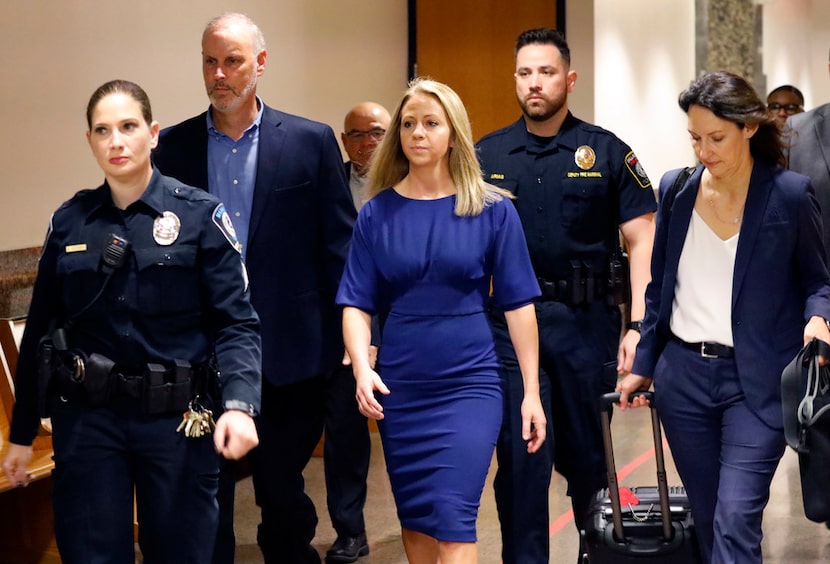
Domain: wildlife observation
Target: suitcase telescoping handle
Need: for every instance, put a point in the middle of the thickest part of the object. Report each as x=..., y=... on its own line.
x=606, y=404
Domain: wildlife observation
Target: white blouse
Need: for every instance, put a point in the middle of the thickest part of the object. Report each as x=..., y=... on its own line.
x=702, y=308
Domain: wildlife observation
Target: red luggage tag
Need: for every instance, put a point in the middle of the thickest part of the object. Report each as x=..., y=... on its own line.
x=627, y=497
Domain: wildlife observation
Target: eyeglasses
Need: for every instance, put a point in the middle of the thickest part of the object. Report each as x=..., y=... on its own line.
x=375, y=134
x=789, y=108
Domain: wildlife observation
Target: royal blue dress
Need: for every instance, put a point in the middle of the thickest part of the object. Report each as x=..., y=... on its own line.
x=427, y=273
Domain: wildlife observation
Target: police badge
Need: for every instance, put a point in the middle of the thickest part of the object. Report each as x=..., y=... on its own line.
x=585, y=157
x=166, y=228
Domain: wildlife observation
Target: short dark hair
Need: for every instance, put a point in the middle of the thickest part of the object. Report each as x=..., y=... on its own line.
x=788, y=88
x=545, y=36
x=131, y=89
x=732, y=98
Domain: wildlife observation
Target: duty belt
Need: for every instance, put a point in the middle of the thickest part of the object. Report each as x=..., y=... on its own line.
x=578, y=291
x=159, y=389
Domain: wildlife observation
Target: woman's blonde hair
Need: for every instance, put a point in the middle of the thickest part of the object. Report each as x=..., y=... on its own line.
x=390, y=165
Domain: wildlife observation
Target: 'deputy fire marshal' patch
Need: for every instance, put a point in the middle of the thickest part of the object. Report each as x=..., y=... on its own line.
x=636, y=170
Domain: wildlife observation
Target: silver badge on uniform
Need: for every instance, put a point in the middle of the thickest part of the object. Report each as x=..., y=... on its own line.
x=585, y=157
x=166, y=228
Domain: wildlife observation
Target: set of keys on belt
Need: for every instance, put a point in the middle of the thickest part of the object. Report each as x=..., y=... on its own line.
x=197, y=421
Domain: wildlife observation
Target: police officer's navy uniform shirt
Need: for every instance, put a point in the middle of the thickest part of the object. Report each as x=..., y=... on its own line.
x=182, y=298
x=570, y=207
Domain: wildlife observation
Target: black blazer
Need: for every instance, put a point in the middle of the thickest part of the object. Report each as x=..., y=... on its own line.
x=301, y=225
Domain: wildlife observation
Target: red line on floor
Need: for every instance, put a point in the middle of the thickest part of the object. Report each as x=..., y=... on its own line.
x=622, y=474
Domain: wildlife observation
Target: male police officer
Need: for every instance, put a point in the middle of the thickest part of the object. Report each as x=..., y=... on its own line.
x=577, y=187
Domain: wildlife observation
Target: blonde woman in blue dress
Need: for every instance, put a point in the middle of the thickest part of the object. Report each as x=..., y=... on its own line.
x=425, y=249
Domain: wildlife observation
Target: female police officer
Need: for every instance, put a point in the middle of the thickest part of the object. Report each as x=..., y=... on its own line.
x=142, y=293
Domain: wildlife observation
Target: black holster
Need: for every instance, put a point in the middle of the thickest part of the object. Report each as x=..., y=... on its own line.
x=96, y=379
x=619, y=286
x=45, y=369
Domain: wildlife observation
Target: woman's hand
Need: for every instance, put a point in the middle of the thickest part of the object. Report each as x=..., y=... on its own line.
x=16, y=463
x=630, y=384
x=625, y=354
x=366, y=383
x=816, y=328
x=532, y=413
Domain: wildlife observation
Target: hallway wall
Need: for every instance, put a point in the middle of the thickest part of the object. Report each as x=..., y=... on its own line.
x=324, y=56
x=633, y=58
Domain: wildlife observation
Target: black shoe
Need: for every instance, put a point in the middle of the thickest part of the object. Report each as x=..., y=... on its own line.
x=348, y=549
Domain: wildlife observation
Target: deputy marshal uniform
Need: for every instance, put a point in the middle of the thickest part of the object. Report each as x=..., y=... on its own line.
x=573, y=191
x=153, y=300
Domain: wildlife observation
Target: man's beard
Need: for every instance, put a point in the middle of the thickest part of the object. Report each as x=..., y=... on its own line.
x=544, y=111
x=232, y=101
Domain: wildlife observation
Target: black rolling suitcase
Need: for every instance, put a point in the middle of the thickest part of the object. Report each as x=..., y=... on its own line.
x=658, y=527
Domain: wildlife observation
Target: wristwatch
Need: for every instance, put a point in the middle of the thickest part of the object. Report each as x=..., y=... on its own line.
x=237, y=405
x=634, y=325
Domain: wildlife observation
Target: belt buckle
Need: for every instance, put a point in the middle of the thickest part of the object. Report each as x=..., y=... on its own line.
x=703, y=352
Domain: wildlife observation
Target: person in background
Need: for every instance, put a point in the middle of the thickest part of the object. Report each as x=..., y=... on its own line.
x=282, y=178
x=425, y=249
x=809, y=153
x=347, y=446
x=785, y=101
x=363, y=129
x=577, y=186
x=740, y=284
x=139, y=279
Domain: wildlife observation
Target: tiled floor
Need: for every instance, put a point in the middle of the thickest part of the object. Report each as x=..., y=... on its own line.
x=789, y=537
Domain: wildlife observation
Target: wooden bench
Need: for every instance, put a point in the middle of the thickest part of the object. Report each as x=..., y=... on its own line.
x=26, y=516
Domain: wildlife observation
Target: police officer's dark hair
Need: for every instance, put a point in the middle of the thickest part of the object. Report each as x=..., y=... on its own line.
x=788, y=88
x=545, y=36
x=732, y=98
x=131, y=89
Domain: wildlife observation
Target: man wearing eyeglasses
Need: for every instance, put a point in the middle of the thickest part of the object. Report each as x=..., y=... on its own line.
x=810, y=154
x=363, y=130
x=785, y=101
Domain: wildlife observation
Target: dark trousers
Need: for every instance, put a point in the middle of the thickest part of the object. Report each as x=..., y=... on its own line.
x=724, y=454
x=104, y=455
x=225, y=549
x=289, y=427
x=577, y=350
x=346, y=454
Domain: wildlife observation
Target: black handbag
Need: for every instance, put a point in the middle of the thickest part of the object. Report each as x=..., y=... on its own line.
x=805, y=399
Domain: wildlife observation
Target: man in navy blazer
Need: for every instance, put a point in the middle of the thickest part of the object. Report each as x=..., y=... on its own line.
x=282, y=179
x=810, y=155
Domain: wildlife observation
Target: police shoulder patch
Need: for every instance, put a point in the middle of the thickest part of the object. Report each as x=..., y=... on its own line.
x=222, y=220
x=636, y=170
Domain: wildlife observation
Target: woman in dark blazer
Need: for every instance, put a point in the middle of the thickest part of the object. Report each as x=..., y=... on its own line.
x=739, y=284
